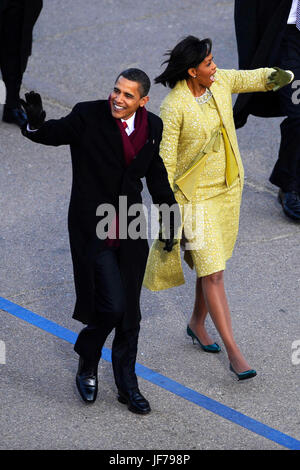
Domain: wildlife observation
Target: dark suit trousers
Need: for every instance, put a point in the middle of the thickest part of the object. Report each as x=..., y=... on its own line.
x=10, y=49
x=110, y=306
x=286, y=173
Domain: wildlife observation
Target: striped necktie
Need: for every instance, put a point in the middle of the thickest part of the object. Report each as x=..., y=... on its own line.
x=298, y=16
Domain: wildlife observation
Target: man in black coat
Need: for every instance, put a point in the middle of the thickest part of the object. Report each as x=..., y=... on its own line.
x=114, y=143
x=17, y=19
x=268, y=34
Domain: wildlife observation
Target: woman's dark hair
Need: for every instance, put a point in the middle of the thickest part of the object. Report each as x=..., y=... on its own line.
x=189, y=52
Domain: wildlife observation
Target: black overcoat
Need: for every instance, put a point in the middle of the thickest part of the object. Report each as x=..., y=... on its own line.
x=260, y=26
x=32, y=9
x=101, y=176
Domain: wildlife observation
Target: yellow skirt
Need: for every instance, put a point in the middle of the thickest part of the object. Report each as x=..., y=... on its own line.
x=220, y=230
x=215, y=243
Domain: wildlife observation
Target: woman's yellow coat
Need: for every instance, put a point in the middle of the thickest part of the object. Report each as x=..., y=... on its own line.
x=180, y=146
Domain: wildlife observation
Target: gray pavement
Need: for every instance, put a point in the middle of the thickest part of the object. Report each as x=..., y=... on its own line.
x=79, y=47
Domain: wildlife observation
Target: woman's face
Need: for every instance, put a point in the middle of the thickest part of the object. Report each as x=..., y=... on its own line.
x=205, y=72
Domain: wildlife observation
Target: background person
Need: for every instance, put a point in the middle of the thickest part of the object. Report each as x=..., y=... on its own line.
x=268, y=34
x=17, y=19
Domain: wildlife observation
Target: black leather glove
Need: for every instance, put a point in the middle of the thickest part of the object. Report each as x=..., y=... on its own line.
x=280, y=78
x=34, y=109
x=169, y=242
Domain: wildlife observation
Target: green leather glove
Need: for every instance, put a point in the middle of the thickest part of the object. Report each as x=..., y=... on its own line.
x=280, y=78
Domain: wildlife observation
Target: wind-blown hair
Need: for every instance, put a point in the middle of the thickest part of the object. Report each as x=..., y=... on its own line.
x=188, y=53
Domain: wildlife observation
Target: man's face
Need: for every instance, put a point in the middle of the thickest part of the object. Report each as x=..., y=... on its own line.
x=126, y=99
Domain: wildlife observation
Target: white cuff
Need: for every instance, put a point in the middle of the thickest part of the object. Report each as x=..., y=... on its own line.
x=291, y=74
x=30, y=130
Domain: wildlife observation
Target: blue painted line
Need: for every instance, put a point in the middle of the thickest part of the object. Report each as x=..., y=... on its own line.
x=164, y=382
x=37, y=320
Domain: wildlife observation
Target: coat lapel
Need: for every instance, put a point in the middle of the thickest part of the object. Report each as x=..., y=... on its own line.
x=149, y=145
x=192, y=104
x=190, y=99
x=111, y=132
x=218, y=97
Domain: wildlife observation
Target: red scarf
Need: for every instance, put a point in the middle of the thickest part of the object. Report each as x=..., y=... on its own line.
x=132, y=145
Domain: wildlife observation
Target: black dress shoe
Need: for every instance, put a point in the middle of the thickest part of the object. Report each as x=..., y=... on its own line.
x=14, y=116
x=135, y=401
x=290, y=202
x=87, y=380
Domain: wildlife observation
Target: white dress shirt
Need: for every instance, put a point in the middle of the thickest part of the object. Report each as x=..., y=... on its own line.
x=293, y=13
x=130, y=124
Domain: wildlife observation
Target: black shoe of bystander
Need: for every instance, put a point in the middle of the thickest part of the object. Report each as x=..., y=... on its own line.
x=290, y=202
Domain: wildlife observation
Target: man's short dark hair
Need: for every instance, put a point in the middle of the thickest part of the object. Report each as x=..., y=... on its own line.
x=137, y=75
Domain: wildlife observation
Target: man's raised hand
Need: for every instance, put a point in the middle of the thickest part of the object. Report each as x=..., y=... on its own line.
x=34, y=109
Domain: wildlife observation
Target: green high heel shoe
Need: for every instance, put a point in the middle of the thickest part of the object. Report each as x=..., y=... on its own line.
x=248, y=374
x=212, y=348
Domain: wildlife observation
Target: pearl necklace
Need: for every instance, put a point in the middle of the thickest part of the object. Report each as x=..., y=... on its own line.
x=205, y=97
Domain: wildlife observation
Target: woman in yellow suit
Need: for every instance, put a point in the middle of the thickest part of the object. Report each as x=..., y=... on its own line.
x=200, y=152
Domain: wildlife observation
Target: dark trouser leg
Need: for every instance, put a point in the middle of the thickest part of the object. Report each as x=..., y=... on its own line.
x=10, y=50
x=124, y=351
x=90, y=341
x=110, y=306
x=286, y=173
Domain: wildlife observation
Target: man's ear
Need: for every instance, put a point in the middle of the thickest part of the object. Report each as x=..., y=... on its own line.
x=144, y=101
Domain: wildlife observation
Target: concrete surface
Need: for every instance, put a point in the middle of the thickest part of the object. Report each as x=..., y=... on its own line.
x=79, y=48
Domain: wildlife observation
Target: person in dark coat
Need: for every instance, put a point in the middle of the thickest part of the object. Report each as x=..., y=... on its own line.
x=17, y=19
x=268, y=34
x=108, y=162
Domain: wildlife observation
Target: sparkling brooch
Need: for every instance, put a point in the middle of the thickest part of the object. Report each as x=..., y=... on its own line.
x=205, y=97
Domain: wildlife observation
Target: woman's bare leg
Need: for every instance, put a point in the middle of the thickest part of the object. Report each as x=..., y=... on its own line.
x=216, y=303
x=199, y=315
